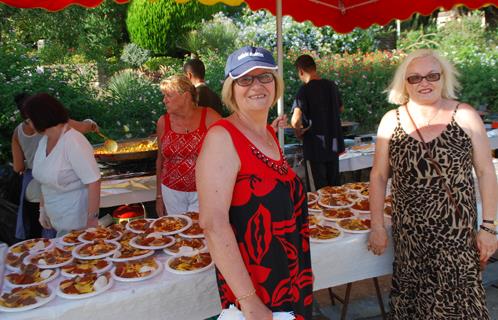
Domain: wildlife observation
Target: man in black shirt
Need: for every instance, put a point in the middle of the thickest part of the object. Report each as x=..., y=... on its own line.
x=316, y=120
x=194, y=69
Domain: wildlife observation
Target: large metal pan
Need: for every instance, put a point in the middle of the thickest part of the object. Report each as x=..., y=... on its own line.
x=131, y=149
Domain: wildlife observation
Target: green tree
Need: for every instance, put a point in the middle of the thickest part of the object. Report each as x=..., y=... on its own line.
x=156, y=25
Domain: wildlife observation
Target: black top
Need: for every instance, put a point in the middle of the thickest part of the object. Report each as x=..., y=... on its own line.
x=207, y=98
x=319, y=101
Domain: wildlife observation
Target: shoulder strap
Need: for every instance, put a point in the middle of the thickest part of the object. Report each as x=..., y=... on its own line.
x=435, y=164
x=397, y=116
x=455, y=111
x=167, y=123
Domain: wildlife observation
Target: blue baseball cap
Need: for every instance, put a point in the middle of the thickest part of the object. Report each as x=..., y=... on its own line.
x=247, y=59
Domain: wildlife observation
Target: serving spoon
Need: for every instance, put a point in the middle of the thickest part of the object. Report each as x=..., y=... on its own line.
x=109, y=144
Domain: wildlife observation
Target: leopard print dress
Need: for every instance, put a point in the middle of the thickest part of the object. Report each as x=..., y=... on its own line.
x=436, y=273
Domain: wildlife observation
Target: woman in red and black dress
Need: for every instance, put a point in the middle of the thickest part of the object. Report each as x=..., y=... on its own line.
x=180, y=132
x=252, y=205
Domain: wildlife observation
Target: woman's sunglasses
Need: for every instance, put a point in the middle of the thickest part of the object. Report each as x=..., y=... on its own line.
x=431, y=77
x=246, y=81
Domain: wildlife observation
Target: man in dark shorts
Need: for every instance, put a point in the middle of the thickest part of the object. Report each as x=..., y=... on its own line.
x=316, y=120
x=194, y=70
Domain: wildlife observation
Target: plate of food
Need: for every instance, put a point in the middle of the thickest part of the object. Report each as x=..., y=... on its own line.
x=324, y=233
x=81, y=267
x=152, y=241
x=185, y=245
x=172, y=224
x=195, y=231
x=139, y=225
x=329, y=190
x=86, y=286
x=52, y=258
x=27, y=298
x=335, y=202
x=71, y=238
x=363, y=148
x=337, y=214
x=137, y=270
x=312, y=198
x=126, y=253
x=315, y=219
x=354, y=225
x=189, y=263
x=361, y=206
x=92, y=234
x=31, y=246
x=356, y=186
x=30, y=275
x=95, y=250
x=194, y=216
x=13, y=262
x=315, y=208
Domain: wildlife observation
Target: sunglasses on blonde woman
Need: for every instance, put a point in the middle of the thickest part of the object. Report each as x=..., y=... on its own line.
x=246, y=81
x=431, y=77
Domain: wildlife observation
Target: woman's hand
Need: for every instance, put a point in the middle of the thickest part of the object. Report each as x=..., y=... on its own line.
x=93, y=221
x=377, y=241
x=160, y=209
x=254, y=309
x=486, y=243
x=44, y=219
x=279, y=122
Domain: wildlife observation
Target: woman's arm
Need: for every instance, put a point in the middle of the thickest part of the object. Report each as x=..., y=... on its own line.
x=216, y=173
x=378, y=180
x=93, y=203
x=17, y=154
x=468, y=119
x=84, y=126
x=160, y=209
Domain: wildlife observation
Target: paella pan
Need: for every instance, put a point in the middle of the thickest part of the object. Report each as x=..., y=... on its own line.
x=131, y=149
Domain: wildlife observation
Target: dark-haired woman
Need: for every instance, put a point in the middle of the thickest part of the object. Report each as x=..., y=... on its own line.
x=65, y=167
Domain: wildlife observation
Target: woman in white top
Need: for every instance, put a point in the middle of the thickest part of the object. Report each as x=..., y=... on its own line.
x=65, y=167
x=25, y=141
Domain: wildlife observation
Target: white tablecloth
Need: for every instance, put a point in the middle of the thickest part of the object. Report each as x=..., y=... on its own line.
x=173, y=297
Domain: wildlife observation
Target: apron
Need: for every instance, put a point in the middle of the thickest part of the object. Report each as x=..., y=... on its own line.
x=65, y=196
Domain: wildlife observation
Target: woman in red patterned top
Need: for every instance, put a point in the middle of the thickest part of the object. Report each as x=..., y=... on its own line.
x=180, y=132
x=253, y=207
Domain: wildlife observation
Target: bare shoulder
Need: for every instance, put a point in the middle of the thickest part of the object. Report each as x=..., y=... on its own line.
x=218, y=148
x=468, y=118
x=160, y=121
x=388, y=124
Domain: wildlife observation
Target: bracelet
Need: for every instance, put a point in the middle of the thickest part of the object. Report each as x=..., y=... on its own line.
x=493, y=222
x=239, y=299
x=159, y=196
x=489, y=230
x=94, y=215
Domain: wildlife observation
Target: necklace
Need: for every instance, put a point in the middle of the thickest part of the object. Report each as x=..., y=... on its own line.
x=428, y=122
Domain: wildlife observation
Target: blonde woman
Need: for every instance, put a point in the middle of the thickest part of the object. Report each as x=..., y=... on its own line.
x=180, y=132
x=431, y=143
x=252, y=205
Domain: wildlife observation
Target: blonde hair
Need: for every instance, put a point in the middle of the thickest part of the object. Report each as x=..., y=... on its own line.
x=179, y=83
x=229, y=99
x=397, y=93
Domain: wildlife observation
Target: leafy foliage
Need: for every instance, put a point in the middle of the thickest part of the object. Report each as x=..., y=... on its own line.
x=134, y=55
x=156, y=25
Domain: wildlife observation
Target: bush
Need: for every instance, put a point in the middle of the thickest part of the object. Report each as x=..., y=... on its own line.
x=134, y=55
x=156, y=25
x=155, y=63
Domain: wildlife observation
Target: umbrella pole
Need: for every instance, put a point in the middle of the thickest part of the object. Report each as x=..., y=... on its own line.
x=280, y=60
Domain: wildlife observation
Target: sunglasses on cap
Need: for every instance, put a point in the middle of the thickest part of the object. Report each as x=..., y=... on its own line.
x=431, y=77
x=247, y=80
